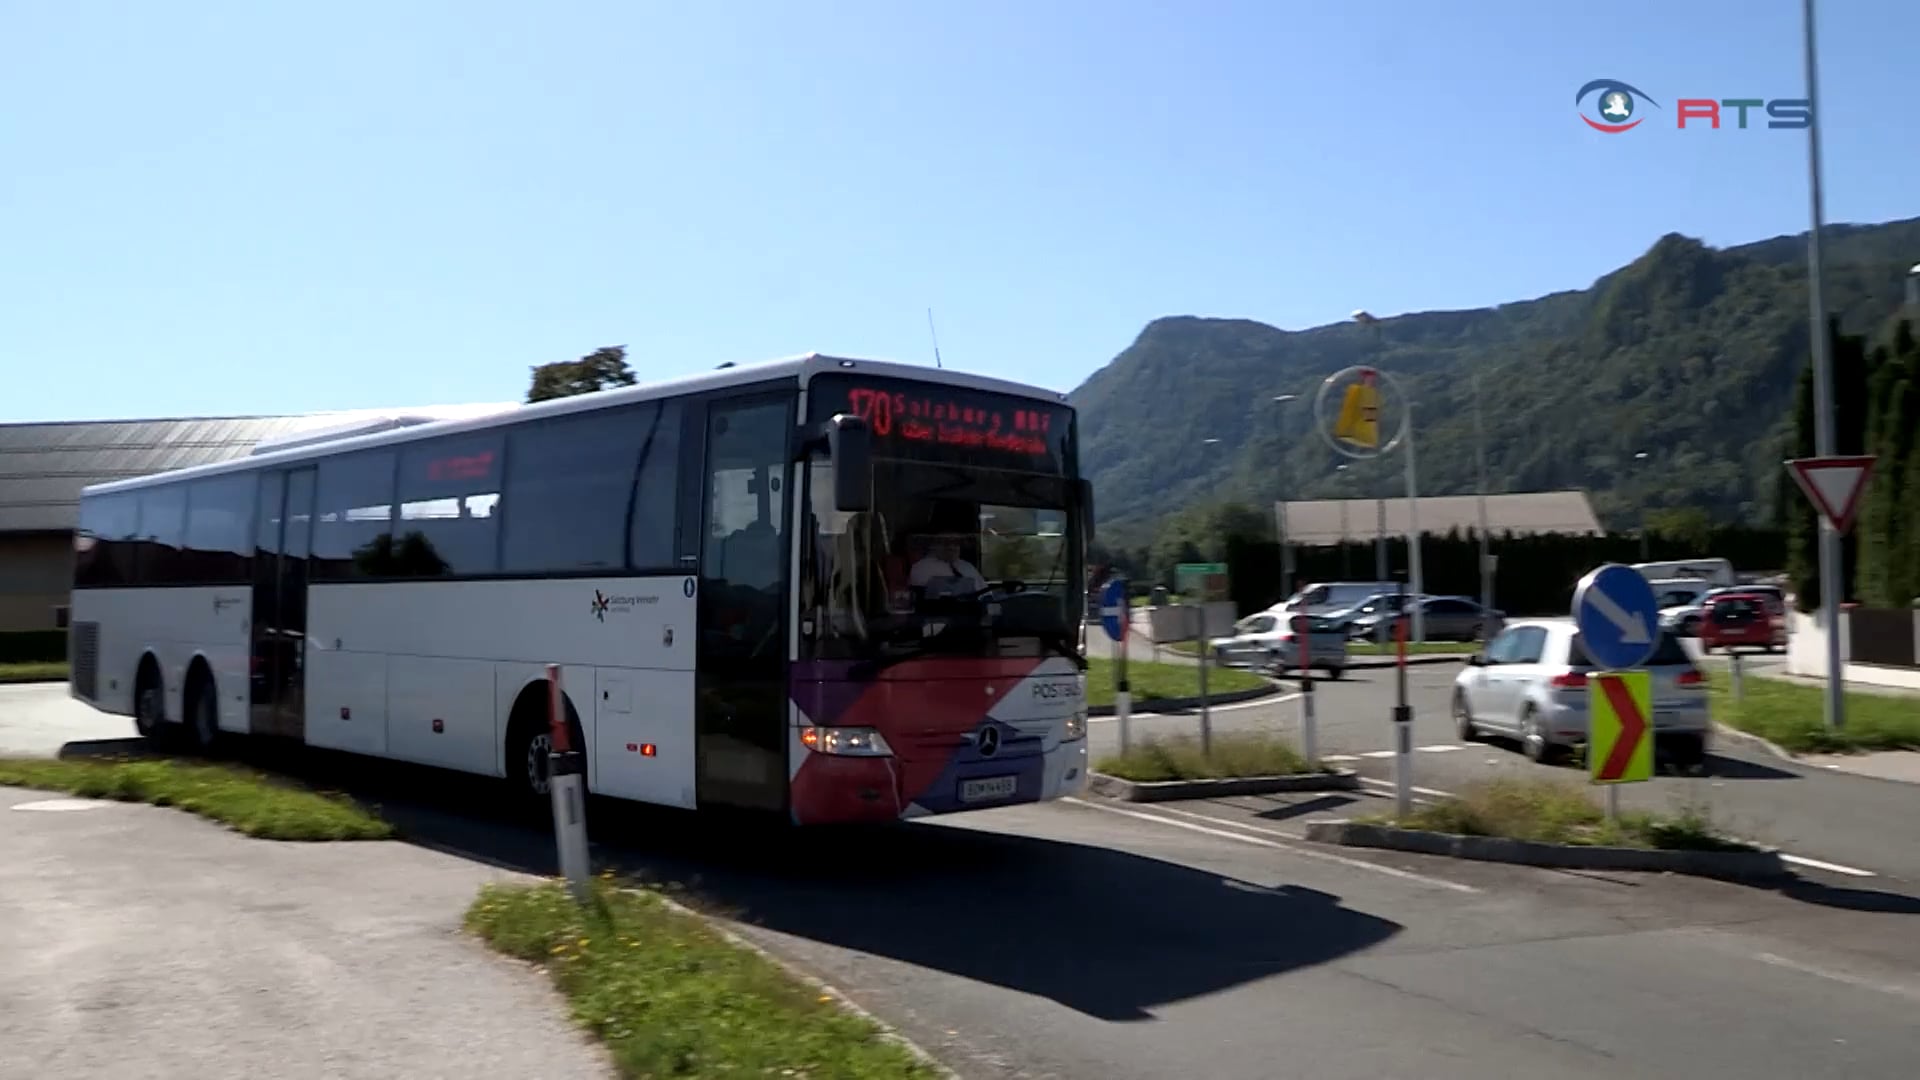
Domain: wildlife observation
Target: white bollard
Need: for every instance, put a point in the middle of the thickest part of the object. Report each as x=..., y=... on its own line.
x=566, y=769
x=1739, y=690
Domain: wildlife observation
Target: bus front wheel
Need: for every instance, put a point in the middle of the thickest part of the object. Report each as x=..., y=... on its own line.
x=149, y=702
x=528, y=746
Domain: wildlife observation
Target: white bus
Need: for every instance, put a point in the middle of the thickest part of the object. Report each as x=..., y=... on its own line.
x=838, y=590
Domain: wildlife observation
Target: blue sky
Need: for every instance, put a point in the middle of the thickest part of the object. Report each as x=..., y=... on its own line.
x=225, y=207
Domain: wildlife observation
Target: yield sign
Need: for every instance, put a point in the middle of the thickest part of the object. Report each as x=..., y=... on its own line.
x=1834, y=484
x=1619, y=742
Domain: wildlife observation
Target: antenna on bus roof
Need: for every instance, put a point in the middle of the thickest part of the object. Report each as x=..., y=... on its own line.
x=936, y=339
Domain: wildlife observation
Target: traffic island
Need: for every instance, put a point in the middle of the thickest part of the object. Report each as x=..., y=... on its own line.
x=1160, y=687
x=1547, y=824
x=1240, y=763
x=674, y=995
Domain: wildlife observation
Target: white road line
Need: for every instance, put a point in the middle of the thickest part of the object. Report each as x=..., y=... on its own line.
x=1387, y=785
x=1390, y=871
x=1838, y=976
x=1376, y=753
x=1440, y=749
x=1339, y=757
x=1850, y=871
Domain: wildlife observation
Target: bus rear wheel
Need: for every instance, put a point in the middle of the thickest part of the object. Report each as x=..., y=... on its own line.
x=529, y=744
x=203, y=713
x=149, y=703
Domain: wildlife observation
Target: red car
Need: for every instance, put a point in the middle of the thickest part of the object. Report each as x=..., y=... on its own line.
x=1743, y=618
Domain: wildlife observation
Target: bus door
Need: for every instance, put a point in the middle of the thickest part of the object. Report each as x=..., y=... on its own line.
x=740, y=675
x=284, y=541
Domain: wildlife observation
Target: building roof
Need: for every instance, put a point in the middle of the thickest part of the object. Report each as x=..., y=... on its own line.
x=1321, y=521
x=43, y=466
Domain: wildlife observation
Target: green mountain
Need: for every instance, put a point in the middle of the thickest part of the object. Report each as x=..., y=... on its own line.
x=1689, y=354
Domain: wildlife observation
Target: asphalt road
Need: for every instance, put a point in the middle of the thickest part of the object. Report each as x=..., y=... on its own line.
x=1099, y=940
x=1861, y=823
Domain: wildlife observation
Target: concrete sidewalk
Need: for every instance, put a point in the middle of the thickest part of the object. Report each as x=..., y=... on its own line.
x=138, y=941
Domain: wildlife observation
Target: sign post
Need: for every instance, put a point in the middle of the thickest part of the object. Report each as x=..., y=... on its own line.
x=1833, y=484
x=1303, y=633
x=1114, y=617
x=1206, y=583
x=566, y=768
x=1619, y=622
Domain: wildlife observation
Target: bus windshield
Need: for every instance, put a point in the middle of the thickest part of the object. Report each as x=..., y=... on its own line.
x=971, y=546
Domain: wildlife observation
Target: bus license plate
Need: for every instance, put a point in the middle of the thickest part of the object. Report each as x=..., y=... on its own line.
x=992, y=787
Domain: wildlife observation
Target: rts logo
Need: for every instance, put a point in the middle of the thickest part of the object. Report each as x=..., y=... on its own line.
x=1615, y=104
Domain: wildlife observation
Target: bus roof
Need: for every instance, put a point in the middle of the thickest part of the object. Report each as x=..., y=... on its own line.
x=802, y=368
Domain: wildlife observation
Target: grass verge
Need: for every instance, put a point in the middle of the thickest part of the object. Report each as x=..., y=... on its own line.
x=252, y=803
x=33, y=671
x=1234, y=755
x=1792, y=716
x=1164, y=682
x=670, y=997
x=1551, y=812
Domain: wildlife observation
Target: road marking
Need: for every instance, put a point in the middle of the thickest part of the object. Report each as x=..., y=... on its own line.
x=1837, y=976
x=1850, y=871
x=1376, y=753
x=1439, y=749
x=1339, y=757
x=1390, y=871
x=1387, y=785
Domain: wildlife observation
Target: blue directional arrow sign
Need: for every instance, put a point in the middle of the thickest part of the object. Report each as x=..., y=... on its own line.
x=1618, y=617
x=1113, y=608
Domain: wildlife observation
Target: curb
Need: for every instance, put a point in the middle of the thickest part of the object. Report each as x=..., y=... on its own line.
x=1750, y=739
x=34, y=680
x=1161, y=705
x=1168, y=790
x=840, y=1000
x=1744, y=866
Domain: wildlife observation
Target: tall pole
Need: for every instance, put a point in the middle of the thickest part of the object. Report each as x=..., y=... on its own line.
x=1486, y=542
x=1823, y=414
x=1380, y=540
x=1413, y=538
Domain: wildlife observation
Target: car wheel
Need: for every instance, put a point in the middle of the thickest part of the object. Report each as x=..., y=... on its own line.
x=1533, y=738
x=1463, y=718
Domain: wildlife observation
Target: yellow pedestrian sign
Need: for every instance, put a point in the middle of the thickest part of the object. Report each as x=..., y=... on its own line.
x=1619, y=727
x=1359, y=421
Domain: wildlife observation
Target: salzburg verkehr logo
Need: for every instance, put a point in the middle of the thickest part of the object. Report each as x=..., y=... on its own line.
x=1613, y=107
x=600, y=604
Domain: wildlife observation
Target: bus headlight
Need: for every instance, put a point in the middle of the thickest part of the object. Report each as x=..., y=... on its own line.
x=846, y=741
x=1076, y=727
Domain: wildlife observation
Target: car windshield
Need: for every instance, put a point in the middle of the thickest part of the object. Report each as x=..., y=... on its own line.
x=1668, y=652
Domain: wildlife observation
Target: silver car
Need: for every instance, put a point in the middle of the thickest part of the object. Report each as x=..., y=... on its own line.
x=1531, y=684
x=1267, y=641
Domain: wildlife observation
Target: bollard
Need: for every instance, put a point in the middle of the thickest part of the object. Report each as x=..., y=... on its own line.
x=1402, y=729
x=1122, y=694
x=1739, y=689
x=1303, y=629
x=566, y=769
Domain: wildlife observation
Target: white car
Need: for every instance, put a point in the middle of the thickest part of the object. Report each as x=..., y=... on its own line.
x=1266, y=641
x=1531, y=685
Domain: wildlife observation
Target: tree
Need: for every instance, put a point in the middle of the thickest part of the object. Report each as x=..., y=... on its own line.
x=599, y=369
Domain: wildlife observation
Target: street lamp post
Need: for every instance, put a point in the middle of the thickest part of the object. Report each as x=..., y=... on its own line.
x=1419, y=621
x=1486, y=541
x=1823, y=418
x=1645, y=550
x=1280, y=509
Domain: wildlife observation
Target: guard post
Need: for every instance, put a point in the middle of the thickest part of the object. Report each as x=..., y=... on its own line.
x=1116, y=618
x=1402, y=712
x=1303, y=632
x=565, y=768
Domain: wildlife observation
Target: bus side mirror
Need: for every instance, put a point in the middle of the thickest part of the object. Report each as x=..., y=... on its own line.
x=1086, y=508
x=850, y=446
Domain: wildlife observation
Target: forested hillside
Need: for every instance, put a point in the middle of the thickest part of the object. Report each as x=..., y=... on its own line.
x=1689, y=354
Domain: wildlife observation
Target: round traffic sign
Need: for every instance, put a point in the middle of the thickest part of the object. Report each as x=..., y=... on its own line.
x=1617, y=615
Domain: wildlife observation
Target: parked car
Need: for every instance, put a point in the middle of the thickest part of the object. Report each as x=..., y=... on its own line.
x=1376, y=604
x=1531, y=684
x=1443, y=618
x=1325, y=597
x=1268, y=641
x=1742, y=617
